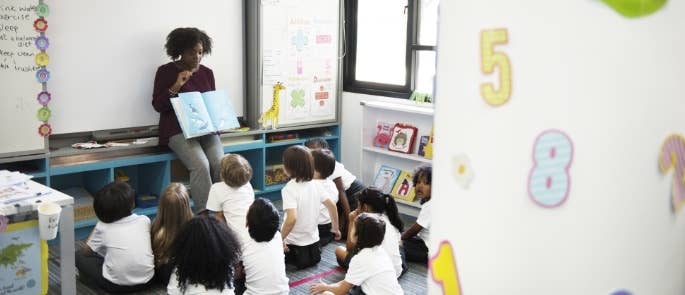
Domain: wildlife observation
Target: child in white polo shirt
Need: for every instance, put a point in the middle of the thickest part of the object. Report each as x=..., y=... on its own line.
x=263, y=260
x=301, y=201
x=117, y=257
x=324, y=163
x=371, y=269
x=415, y=239
x=346, y=183
x=232, y=197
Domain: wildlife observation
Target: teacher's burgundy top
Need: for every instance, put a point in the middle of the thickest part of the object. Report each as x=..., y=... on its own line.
x=202, y=80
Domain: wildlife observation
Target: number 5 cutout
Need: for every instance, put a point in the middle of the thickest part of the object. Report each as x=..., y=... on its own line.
x=673, y=157
x=491, y=59
x=443, y=268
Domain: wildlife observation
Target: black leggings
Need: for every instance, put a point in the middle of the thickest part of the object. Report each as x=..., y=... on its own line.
x=325, y=234
x=303, y=256
x=90, y=272
x=415, y=250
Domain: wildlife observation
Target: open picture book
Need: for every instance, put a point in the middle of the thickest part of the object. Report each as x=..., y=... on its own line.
x=204, y=113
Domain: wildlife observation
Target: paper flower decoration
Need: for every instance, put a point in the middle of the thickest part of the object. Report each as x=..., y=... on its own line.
x=40, y=25
x=635, y=8
x=463, y=172
x=43, y=76
x=42, y=43
x=44, y=114
x=44, y=129
x=42, y=10
x=3, y=223
x=42, y=59
x=44, y=98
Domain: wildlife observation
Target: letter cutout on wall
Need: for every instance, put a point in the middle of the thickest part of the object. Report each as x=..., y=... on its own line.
x=491, y=59
x=549, y=182
x=443, y=268
x=672, y=156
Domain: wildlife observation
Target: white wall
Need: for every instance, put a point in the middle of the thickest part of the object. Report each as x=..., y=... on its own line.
x=614, y=85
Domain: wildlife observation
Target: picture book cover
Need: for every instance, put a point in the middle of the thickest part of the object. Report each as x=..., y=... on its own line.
x=383, y=134
x=404, y=187
x=422, y=144
x=23, y=260
x=403, y=136
x=385, y=178
x=204, y=113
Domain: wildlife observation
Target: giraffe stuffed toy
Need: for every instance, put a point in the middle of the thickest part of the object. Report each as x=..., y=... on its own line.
x=272, y=112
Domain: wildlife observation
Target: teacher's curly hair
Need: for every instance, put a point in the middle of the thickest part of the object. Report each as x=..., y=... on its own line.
x=181, y=39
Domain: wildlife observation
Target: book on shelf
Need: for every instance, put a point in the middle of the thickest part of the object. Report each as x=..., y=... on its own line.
x=204, y=113
x=404, y=187
x=403, y=136
x=385, y=178
x=422, y=145
x=383, y=134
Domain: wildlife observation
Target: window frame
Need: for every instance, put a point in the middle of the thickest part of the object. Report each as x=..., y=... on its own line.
x=351, y=84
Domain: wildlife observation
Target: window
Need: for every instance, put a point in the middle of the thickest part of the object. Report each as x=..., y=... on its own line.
x=390, y=46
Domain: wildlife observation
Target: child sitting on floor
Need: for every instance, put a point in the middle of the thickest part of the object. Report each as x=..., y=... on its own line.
x=372, y=200
x=203, y=254
x=347, y=184
x=301, y=202
x=415, y=239
x=324, y=163
x=371, y=269
x=172, y=212
x=117, y=256
x=232, y=197
x=263, y=260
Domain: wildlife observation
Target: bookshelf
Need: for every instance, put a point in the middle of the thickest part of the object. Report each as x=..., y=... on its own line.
x=419, y=115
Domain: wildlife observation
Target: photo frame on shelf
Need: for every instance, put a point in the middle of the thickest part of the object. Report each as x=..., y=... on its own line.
x=385, y=178
x=403, y=137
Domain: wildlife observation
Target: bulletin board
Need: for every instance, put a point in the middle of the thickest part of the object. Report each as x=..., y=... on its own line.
x=299, y=46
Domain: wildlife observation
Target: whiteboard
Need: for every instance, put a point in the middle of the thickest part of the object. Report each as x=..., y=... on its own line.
x=104, y=55
x=18, y=105
x=299, y=42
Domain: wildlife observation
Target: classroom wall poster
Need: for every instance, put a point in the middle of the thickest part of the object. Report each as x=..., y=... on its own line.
x=23, y=260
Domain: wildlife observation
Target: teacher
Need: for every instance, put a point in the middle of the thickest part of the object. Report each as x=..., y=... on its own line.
x=201, y=155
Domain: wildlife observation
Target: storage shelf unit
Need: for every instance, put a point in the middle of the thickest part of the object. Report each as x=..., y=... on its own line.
x=148, y=167
x=419, y=115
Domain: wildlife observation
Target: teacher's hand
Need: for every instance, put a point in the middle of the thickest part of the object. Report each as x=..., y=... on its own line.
x=181, y=79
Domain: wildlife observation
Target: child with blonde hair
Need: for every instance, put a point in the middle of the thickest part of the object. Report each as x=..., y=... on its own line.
x=301, y=201
x=232, y=197
x=173, y=211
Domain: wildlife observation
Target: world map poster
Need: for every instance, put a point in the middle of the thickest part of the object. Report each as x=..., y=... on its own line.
x=23, y=260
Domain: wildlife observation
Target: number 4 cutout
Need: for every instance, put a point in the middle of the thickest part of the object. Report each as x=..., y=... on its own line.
x=443, y=268
x=491, y=59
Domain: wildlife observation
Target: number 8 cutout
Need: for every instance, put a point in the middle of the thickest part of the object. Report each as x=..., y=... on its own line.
x=673, y=157
x=549, y=182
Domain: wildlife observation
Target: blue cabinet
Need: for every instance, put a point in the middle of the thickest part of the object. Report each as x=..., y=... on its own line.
x=149, y=170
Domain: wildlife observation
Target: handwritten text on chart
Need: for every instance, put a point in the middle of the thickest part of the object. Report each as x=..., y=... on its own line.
x=17, y=37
